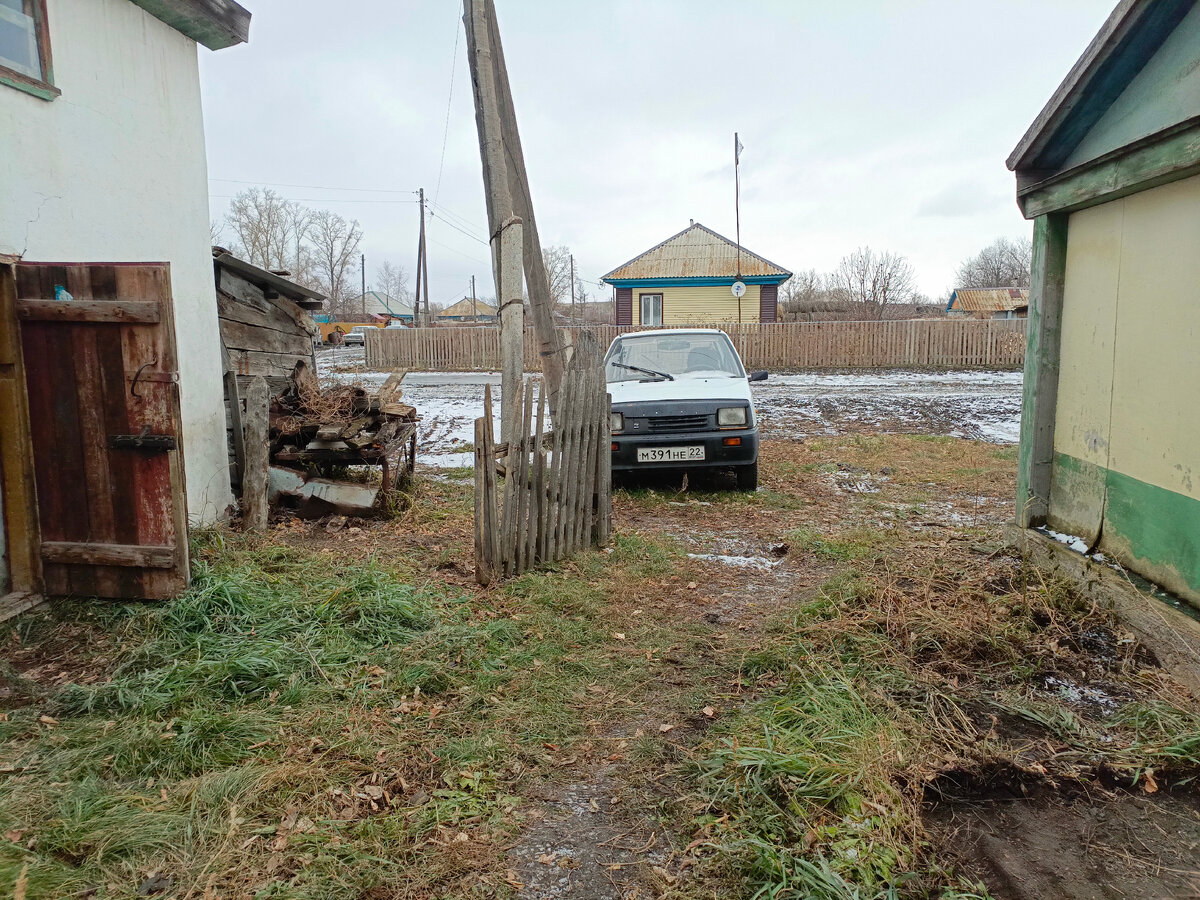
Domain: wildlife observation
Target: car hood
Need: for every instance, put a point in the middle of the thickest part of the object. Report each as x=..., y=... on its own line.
x=721, y=387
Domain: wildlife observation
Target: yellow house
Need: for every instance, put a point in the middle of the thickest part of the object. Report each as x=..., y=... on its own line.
x=1110, y=174
x=689, y=278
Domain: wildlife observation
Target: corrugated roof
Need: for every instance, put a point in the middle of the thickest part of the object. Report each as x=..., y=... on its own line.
x=467, y=307
x=988, y=299
x=696, y=252
x=381, y=304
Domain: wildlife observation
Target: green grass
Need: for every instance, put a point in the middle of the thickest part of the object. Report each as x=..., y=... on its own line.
x=281, y=680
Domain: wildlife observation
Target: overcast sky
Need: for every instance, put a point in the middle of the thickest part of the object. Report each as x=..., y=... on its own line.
x=865, y=122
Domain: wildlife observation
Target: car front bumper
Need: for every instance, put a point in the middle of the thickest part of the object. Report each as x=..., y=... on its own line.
x=717, y=454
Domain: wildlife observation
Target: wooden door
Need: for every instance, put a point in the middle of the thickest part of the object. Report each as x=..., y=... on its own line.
x=103, y=386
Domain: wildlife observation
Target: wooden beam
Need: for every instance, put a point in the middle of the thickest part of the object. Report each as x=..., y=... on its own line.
x=216, y=24
x=1159, y=159
x=121, y=312
x=21, y=526
x=18, y=602
x=1043, y=340
x=554, y=344
x=255, y=505
x=132, y=555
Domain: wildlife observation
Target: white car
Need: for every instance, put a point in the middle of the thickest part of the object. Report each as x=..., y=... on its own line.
x=681, y=400
x=357, y=335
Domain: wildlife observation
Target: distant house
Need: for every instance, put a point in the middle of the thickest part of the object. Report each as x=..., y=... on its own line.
x=467, y=310
x=106, y=294
x=376, y=303
x=1110, y=174
x=688, y=279
x=989, y=303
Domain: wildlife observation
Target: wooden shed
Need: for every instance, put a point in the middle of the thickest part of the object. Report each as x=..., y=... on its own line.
x=1110, y=173
x=266, y=329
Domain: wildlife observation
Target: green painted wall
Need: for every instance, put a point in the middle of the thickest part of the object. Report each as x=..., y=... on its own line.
x=1126, y=467
x=1153, y=531
x=1164, y=93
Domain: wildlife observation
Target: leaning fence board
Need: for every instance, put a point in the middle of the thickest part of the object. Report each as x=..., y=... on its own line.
x=908, y=343
x=555, y=498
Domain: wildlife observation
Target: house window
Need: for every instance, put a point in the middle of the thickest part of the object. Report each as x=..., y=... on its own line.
x=25, y=47
x=651, y=309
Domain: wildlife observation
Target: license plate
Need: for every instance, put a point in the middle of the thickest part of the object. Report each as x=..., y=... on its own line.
x=670, y=454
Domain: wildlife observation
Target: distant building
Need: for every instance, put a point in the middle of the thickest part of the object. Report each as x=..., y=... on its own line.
x=1110, y=174
x=377, y=303
x=688, y=279
x=466, y=311
x=989, y=303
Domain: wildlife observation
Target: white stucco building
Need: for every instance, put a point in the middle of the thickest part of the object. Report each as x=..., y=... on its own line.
x=102, y=160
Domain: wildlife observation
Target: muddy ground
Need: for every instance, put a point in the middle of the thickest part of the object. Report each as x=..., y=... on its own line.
x=979, y=405
x=1018, y=743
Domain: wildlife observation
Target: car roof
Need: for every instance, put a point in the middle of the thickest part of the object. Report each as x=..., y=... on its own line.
x=654, y=331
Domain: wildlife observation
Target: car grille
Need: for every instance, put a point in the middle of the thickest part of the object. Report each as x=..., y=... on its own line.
x=677, y=423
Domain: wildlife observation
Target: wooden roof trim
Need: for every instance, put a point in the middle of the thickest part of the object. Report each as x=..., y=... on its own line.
x=298, y=294
x=1136, y=28
x=216, y=24
x=782, y=271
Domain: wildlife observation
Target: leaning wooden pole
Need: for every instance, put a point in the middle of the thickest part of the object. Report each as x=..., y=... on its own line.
x=554, y=344
x=504, y=228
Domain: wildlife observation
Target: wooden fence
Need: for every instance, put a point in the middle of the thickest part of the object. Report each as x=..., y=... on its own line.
x=904, y=343
x=556, y=495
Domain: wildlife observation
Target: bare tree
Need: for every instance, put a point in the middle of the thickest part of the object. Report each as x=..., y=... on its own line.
x=873, y=281
x=215, y=232
x=558, y=269
x=1002, y=263
x=335, y=250
x=273, y=233
x=392, y=280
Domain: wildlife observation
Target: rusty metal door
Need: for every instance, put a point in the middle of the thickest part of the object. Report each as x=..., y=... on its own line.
x=98, y=342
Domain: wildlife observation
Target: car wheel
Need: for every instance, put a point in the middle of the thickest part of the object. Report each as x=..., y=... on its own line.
x=747, y=477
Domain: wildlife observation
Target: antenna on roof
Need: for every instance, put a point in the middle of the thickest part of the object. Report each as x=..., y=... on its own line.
x=737, y=200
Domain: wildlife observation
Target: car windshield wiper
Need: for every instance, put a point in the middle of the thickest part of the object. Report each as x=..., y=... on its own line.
x=665, y=375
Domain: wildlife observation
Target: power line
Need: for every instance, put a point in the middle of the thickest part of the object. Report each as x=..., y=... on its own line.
x=461, y=219
x=318, y=199
x=449, y=99
x=446, y=221
x=316, y=187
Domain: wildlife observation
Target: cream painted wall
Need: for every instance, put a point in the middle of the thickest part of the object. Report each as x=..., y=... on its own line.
x=114, y=170
x=1131, y=338
x=700, y=304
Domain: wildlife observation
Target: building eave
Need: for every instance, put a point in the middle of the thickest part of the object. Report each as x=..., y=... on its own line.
x=698, y=280
x=216, y=24
x=1127, y=40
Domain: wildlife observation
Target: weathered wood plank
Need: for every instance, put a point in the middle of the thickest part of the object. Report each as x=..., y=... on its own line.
x=100, y=554
x=255, y=509
x=124, y=312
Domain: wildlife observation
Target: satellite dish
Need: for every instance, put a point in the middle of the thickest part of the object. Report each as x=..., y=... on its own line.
x=739, y=289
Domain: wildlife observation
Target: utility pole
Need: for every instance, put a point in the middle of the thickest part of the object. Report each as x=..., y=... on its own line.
x=474, y=299
x=554, y=347
x=422, y=268
x=362, y=264
x=420, y=258
x=572, y=288
x=504, y=227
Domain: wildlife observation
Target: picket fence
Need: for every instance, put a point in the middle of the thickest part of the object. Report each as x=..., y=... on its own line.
x=556, y=496
x=904, y=343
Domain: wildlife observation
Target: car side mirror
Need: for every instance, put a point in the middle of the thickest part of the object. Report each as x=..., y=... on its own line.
x=757, y=376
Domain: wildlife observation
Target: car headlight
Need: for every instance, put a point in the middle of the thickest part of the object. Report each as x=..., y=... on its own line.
x=616, y=422
x=731, y=416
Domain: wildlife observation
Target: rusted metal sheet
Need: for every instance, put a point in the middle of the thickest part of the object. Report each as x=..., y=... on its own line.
x=696, y=252
x=94, y=491
x=990, y=299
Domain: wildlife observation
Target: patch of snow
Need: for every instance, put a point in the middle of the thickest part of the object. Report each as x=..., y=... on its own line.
x=1076, y=543
x=742, y=562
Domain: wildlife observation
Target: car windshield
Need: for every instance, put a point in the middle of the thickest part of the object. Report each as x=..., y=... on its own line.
x=649, y=356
